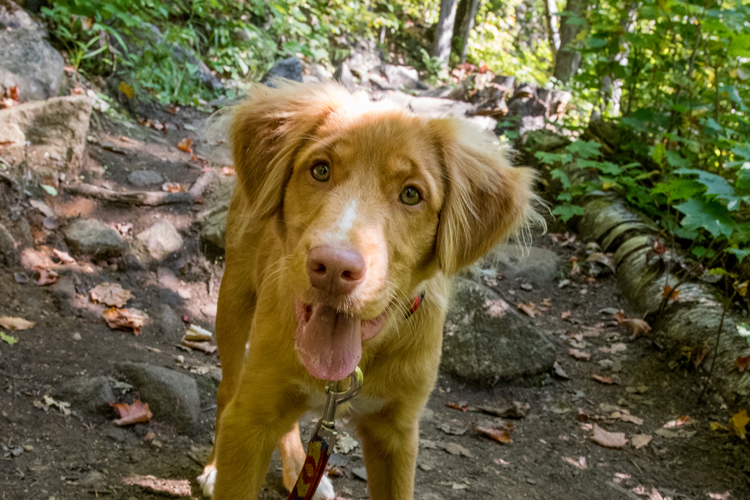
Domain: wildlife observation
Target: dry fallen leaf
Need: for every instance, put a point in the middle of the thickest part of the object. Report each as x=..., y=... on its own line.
x=627, y=417
x=46, y=277
x=742, y=362
x=111, y=294
x=460, y=406
x=172, y=187
x=16, y=323
x=454, y=449
x=565, y=315
x=131, y=320
x=608, y=439
x=638, y=441
x=205, y=347
x=737, y=424
x=131, y=414
x=638, y=326
x=579, y=355
x=603, y=379
x=185, y=145
x=502, y=436
x=64, y=257
x=670, y=293
x=678, y=422
x=228, y=171
x=529, y=309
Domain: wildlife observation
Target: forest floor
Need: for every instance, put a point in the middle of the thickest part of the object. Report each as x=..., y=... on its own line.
x=49, y=455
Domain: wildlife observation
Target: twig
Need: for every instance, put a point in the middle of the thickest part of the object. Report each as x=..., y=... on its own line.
x=716, y=349
x=148, y=198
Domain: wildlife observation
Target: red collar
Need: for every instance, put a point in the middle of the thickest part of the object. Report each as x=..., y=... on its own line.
x=415, y=303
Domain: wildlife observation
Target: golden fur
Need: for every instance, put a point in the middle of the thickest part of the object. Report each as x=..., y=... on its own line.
x=472, y=199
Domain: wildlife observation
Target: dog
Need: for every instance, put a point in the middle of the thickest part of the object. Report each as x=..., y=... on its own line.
x=345, y=211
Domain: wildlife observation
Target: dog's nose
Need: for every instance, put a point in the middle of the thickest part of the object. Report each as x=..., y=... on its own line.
x=335, y=270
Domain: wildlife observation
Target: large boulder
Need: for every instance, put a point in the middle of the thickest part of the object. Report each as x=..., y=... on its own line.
x=528, y=263
x=172, y=396
x=55, y=129
x=29, y=62
x=486, y=340
x=88, y=395
x=94, y=238
x=289, y=69
x=213, y=220
x=14, y=17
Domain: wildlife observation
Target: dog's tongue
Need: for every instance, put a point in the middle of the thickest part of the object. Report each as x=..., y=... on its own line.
x=330, y=343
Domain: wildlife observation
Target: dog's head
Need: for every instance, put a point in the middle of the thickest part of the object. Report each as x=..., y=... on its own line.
x=369, y=201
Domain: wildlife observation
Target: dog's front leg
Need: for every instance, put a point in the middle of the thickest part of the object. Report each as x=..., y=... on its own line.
x=390, y=442
x=251, y=427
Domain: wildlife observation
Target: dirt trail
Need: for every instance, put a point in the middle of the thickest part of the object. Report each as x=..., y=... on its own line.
x=47, y=454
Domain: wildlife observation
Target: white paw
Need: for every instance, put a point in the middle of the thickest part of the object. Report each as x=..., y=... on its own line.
x=208, y=478
x=325, y=490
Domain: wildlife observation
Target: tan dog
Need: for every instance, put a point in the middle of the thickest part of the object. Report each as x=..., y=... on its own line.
x=344, y=211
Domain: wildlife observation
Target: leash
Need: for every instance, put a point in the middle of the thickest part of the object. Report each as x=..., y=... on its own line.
x=324, y=438
x=321, y=444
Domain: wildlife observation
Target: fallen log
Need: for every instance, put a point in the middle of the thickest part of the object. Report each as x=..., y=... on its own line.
x=145, y=198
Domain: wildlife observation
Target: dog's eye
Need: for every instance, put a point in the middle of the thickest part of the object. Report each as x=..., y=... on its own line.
x=321, y=172
x=410, y=196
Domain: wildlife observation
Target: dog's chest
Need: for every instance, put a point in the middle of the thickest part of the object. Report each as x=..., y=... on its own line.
x=362, y=404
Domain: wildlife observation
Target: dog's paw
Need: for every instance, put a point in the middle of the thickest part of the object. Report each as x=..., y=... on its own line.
x=208, y=478
x=325, y=490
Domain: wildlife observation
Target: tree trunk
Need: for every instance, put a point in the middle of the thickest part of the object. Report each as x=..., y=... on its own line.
x=553, y=32
x=468, y=25
x=568, y=59
x=444, y=31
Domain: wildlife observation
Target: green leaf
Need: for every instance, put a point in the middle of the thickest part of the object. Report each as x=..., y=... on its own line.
x=584, y=149
x=715, y=184
x=711, y=216
x=657, y=153
x=562, y=176
x=550, y=158
x=674, y=159
x=50, y=190
x=679, y=189
x=567, y=211
x=740, y=253
x=7, y=338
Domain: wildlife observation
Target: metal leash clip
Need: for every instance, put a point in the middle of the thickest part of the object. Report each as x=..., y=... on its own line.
x=324, y=438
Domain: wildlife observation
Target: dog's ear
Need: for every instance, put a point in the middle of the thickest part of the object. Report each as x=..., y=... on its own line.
x=486, y=198
x=267, y=129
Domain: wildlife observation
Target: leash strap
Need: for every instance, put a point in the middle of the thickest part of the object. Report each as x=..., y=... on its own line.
x=324, y=439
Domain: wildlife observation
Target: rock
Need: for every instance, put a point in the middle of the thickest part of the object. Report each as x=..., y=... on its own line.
x=364, y=58
x=487, y=340
x=430, y=106
x=213, y=219
x=142, y=178
x=290, y=69
x=345, y=77
x=88, y=395
x=94, y=238
x=172, y=396
x=516, y=261
x=170, y=323
x=31, y=63
x=93, y=480
x=14, y=17
x=8, y=254
x=161, y=239
x=401, y=76
x=56, y=130
x=531, y=106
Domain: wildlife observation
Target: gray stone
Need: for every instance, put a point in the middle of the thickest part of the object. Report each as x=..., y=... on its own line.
x=344, y=76
x=172, y=396
x=170, y=323
x=401, y=76
x=31, y=63
x=161, y=239
x=8, y=254
x=94, y=480
x=142, y=178
x=56, y=130
x=485, y=339
x=94, y=238
x=213, y=219
x=364, y=58
x=14, y=17
x=289, y=69
x=88, y=395
x=517, y=261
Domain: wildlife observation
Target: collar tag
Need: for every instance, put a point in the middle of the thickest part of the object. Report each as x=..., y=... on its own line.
x=415, y=304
